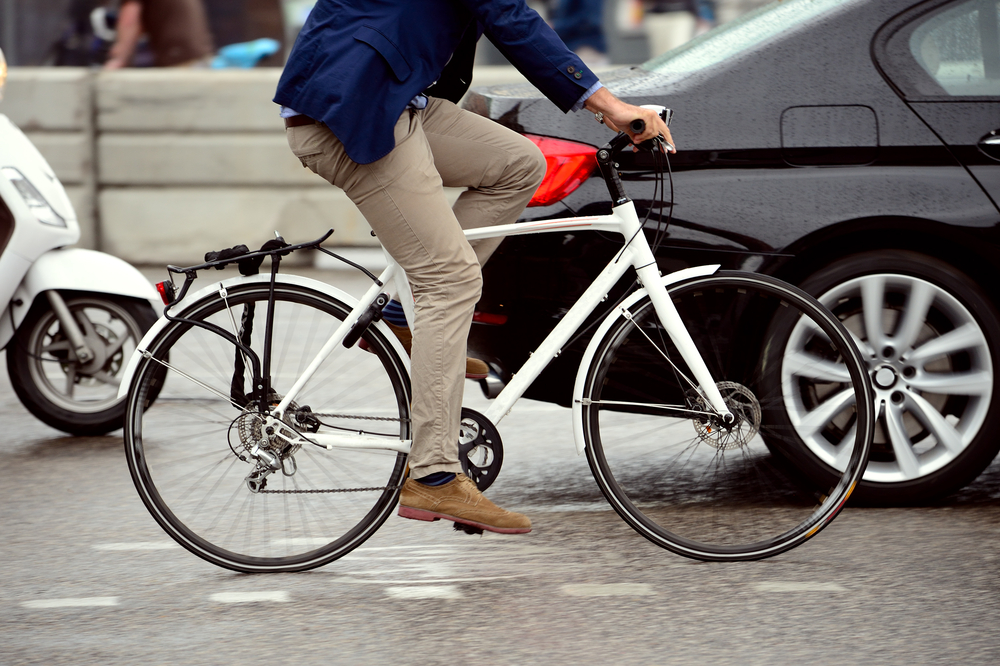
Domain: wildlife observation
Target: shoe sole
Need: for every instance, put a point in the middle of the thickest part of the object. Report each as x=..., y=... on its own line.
x=430, y=516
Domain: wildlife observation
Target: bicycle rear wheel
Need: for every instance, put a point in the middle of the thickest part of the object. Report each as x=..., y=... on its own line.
x=679, y=475
x=189, y=452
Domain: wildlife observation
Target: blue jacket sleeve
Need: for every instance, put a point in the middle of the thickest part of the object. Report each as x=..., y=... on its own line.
x=534, y=49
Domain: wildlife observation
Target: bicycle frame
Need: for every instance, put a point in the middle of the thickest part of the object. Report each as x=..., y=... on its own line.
x=636, y=254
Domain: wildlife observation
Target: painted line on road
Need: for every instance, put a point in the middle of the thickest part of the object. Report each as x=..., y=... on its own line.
x=793, y=586
x=429, y=581
x=438, y=548
x=248, y=597
x=138, y=545
x=608, y=590
x=78, y=602
x=424, y=592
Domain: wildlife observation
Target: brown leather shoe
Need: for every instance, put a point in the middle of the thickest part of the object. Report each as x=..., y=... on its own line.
x=474, y=368
x=458, y=500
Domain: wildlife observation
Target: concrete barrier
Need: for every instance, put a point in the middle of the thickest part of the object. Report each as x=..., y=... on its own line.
x=164, y=164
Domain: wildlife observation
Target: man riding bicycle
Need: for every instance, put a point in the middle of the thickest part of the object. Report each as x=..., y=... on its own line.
x=369, y=99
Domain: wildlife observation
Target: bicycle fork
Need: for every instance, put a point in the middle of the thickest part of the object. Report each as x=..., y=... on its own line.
x=705, y=384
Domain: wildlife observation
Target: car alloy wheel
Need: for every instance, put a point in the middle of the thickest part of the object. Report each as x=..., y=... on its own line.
x=932, y=366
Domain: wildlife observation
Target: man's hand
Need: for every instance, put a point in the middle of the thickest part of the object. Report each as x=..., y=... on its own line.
x=618, y=116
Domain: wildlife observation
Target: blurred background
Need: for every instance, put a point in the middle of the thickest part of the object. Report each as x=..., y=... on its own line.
x=184, y=134
x=61, y=32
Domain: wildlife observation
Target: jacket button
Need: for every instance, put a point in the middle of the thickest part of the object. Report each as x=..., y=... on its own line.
x=571, y=69
x=578, y=75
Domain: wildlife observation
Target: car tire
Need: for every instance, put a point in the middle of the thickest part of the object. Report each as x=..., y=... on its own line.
x=932, y=351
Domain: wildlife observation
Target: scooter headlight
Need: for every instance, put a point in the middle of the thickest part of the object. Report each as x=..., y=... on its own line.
x=3, y=72
x=39, y=207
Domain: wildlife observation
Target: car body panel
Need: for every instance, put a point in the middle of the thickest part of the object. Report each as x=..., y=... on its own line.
x=791, y=155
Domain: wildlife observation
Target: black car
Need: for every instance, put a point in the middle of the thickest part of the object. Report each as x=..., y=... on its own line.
x=851, y=147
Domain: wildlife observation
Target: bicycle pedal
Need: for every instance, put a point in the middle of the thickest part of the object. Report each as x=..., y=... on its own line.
x=468, y=529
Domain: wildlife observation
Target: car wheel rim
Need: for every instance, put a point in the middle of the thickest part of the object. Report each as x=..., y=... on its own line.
x=931, y=371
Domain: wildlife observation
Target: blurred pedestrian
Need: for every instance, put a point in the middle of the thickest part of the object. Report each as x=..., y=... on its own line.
x=671, y=23
x=580, y=24
x=730, y=10
x=177, y=30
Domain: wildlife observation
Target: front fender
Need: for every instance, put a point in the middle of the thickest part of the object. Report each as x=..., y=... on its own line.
x=595, y=341
x=74, y=269
x=192, y=299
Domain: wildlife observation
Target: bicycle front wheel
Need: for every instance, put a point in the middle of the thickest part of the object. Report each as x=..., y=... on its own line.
x=191, y=452
x=680, y=475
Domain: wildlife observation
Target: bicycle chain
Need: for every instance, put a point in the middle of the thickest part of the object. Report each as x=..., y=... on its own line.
x=358, y=417
x=338, y=490
x=328, y=490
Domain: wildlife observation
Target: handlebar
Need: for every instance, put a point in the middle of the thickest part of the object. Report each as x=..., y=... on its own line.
x=607, y=155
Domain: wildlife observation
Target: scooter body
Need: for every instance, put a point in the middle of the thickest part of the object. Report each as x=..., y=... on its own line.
x=69, y=317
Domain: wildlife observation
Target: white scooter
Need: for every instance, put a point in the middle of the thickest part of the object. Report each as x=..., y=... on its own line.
x=71, y=318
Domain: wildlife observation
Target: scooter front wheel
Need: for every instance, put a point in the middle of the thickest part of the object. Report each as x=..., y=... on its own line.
x=53, y=384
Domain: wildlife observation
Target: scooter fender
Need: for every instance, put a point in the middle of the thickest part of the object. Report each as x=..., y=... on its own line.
x=595, y=341
x=74, y=269
x=192, y=299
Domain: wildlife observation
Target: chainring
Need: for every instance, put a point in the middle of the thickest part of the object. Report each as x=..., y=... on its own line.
x=479, y=448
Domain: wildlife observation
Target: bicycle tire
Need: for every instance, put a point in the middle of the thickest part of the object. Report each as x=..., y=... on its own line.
x=681, y=480
x=190, y=463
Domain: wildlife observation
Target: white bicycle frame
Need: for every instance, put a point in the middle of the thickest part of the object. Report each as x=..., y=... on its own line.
x=636, y=253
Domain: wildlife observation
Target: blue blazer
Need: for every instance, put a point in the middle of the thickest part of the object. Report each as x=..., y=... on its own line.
x=357, y=63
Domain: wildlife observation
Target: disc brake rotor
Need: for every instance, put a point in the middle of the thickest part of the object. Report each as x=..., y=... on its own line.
x=744, y=406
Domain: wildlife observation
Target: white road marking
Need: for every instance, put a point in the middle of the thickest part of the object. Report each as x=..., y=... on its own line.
x=138, y=545
x=792, y=586
x=301, y=541
x=248, y=597
x=608, y=590
x=438, y=549
x=71, y=603
x=349, y=579
x=424, y=592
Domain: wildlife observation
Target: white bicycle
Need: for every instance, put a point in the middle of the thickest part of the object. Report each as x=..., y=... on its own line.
x=278, y=443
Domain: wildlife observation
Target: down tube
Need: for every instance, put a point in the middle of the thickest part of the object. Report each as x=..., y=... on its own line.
x=553, y=343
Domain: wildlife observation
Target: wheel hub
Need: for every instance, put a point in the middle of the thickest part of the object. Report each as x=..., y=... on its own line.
x=884, y=377
x=745, y=408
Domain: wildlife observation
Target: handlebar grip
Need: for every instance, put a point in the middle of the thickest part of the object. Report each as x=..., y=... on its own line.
x=638, y=125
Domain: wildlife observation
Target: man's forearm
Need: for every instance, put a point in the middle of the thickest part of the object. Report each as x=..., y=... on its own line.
x=129, y=29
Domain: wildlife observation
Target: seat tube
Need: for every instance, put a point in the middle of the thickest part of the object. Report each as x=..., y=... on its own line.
x=649, y=275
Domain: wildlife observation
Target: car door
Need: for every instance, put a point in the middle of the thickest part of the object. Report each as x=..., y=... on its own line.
x=943, y=58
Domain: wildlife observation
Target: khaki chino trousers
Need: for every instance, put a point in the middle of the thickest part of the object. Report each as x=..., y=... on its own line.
x=402, y=199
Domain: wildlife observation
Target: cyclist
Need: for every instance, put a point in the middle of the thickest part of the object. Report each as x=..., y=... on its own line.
x=369, y=99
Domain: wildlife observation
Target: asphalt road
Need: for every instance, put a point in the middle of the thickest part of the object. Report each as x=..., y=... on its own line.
x=87, y=577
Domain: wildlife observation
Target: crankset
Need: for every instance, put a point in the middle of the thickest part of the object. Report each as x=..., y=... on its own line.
x=479, y=448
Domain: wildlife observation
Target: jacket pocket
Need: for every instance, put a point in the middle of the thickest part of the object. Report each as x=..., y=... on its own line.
x=375, y=39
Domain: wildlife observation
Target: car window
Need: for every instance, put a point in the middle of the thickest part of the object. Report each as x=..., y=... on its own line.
x=762, y=25
x=952, y=50
x=959, y=48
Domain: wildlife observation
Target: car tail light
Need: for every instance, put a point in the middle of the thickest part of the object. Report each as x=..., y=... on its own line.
x=567, y=165
x=489, y=318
